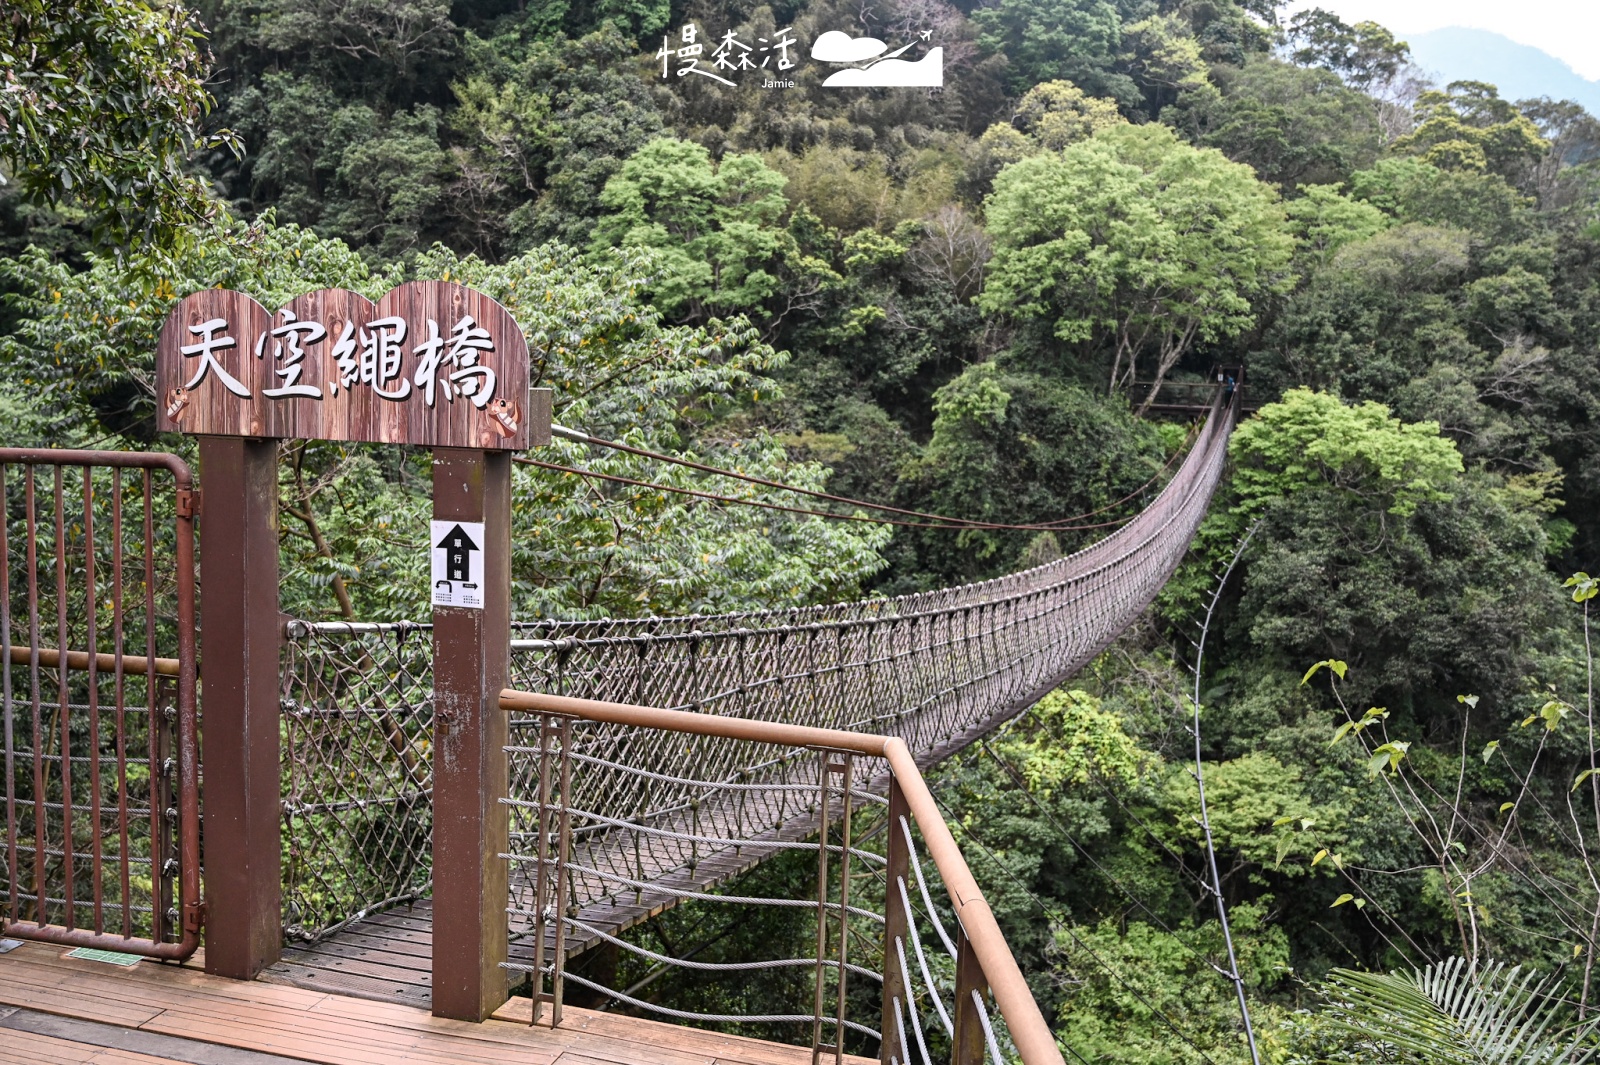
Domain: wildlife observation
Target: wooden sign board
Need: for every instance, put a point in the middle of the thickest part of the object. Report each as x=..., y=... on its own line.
x=432, y=363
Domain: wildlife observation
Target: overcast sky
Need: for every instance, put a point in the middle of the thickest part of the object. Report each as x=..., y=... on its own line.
x=1567, y=29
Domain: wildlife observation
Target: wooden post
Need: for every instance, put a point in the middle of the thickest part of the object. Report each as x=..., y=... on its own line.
x=895, y=918
x=239, y=640
x=471, y=828
x=967, y=1048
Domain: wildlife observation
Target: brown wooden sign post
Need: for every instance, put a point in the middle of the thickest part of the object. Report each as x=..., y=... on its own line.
x=432, y=364
x=471, y=489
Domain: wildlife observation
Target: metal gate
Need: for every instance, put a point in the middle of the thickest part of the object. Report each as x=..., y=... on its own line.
x=101, y=775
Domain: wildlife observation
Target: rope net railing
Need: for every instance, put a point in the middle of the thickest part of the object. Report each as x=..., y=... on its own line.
x=938, y=669
x=357, y=792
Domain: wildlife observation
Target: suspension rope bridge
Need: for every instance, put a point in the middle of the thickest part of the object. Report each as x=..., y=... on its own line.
x=659, y=817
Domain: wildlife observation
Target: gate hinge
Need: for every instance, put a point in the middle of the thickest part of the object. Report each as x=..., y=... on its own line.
x=188, y=502
x=194, y=916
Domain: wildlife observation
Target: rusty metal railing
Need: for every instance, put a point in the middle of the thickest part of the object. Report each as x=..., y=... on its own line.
x=101, y=746
x=548, y=853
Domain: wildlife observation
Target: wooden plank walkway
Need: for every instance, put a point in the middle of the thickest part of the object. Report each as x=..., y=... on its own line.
x=200, y=1017
x=387, y=957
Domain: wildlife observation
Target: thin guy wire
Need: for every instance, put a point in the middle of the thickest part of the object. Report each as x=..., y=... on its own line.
x=1233, y=973
x=1022, y=786
x=1066, y=927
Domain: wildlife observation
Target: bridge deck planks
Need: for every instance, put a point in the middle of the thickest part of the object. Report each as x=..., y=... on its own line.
x=329, y=1029
x=387, y=957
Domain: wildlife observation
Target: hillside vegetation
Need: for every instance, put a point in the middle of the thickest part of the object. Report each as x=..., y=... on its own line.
x=943, y=299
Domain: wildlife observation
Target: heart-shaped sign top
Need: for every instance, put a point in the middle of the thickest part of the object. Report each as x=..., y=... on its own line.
x=432, y=363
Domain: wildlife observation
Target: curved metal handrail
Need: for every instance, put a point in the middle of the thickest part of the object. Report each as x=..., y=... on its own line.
x=1029, y=1031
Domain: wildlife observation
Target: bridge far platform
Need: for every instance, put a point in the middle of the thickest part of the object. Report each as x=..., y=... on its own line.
x=58, y=1010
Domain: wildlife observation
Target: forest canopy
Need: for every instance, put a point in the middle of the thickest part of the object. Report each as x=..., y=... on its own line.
x=961, y=300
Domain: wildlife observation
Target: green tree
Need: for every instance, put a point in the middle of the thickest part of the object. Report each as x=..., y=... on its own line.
x=544, y=134
x=1048, y=118
x=1075, y=40
x=1325, y=220
x=102, y=104
x=1366, y=55
x=1135, y=245
x=715, y=226
x=84, y=353
x=390, y=179
x=1379, y=548
x=85, y=347
x=1293, y=125
x=1018, y=447
x=1165, y=59
x=375, y=181
x=1468, y=127
x=1310, y=438
x=381, y=46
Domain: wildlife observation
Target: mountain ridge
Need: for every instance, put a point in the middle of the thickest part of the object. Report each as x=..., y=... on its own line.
x=1520, y=71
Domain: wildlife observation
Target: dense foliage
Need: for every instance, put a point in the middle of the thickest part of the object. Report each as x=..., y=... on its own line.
x=952, y=300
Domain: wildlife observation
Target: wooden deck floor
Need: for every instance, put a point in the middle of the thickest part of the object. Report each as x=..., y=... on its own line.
x=56, y=1010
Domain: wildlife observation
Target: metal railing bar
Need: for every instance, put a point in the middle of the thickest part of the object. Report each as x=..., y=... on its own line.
x=1029, y=1030
x=684, y=893
x=137, y=665
x=689, y=837
x=716, y=966
x=685, y=1015
x=708, y=784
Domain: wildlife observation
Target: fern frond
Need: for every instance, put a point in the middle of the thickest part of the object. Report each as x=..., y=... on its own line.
x=1458, y=1013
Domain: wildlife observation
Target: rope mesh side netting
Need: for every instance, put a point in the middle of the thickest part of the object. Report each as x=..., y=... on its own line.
x=655, y=814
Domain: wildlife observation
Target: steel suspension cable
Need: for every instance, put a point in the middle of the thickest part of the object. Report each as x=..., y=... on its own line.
x=718, y=498
x=941, y=519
